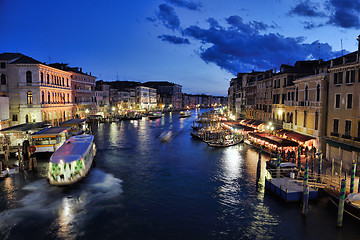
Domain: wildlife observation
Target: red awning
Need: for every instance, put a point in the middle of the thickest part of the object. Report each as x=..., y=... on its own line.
x=280, y=142
x=295, y=136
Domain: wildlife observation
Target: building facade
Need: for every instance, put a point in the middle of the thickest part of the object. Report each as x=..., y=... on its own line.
x=37, y=92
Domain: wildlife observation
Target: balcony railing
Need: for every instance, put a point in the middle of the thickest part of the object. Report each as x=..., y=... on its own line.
x=346, y=136
x=335, y=134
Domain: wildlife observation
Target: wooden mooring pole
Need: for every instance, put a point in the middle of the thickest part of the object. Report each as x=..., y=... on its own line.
x=258, y=170
x=306, y=190
x=341, y=203
x=352, y=180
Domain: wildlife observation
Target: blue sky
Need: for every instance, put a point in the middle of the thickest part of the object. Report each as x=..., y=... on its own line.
x=198, y=44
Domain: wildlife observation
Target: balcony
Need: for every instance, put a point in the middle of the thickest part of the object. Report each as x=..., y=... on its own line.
x=346, y=136
x=334, y=134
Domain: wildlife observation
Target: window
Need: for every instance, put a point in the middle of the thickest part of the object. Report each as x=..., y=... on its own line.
x=347, y=128
x=316, y=121
x=296, y=113
x=297, y=94
x=42, y=77
x=3, y=79
x=305, y=115
x=347, y=77
x=352, y=76
x=48, y=79
x=48, y=97
x=349, y=101
x=42, y=97
x=318, y=93
x=336, y=126
x=29, y=97
x=335, y=78
x=337, y=100
x=28, y=77
x=2, y=65
x=306, y=93
x=14, y=118
x=340, y=77
x=358, y=130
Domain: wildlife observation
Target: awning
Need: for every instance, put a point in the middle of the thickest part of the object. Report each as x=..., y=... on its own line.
x=295, y=136
x=280, y=142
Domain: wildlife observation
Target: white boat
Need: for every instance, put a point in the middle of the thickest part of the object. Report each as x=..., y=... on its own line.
x=50, y=139
x=72, y=161
x=184, y=114
x=155, y=115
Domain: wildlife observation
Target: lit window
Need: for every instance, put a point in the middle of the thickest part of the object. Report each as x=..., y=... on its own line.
x=29, y=97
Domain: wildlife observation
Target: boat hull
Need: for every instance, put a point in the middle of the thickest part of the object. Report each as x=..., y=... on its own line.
x=67, y=172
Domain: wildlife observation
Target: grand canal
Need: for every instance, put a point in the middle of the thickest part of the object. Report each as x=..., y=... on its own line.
x=143, y=188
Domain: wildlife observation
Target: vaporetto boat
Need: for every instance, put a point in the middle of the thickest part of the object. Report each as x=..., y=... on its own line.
x=72, y=161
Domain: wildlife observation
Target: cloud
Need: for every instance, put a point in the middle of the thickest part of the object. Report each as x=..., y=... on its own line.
x=240, y=47
x=306, y=9
x=174, y=39
x=345, y=13
x=186, y=4
x=168, y=17
x=252, y=27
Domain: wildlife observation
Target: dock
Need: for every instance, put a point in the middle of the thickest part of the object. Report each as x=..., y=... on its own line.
x=288, y=189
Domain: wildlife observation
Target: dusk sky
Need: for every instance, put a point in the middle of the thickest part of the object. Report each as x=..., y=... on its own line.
x=200, y=45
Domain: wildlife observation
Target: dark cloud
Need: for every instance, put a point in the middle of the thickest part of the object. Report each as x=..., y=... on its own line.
x=252, y=27
x=345, y=13
x=240, y=47
x=168, y=17
x=186, y=4
x=174, y=39
x=306, y=9
x=311, y=25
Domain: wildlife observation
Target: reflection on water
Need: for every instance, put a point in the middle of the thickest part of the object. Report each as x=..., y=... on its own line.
x=69, y=205
x=181, y=189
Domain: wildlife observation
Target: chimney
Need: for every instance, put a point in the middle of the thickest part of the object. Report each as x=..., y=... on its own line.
x=80, y=69
x=90, y=73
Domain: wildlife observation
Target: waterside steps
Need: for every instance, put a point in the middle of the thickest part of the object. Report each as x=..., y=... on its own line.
x=289, y=189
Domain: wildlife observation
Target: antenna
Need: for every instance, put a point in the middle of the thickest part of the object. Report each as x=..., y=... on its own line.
x=319, y=51
x=342, y=51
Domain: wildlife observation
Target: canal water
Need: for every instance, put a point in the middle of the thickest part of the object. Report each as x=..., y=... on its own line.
x=143, y=188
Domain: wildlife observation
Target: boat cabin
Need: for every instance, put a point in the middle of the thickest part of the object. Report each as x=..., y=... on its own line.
x=50, y=139
x=78, y=126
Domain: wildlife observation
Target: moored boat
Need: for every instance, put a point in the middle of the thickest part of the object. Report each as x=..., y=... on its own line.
x=72, y=161
x=226, y=142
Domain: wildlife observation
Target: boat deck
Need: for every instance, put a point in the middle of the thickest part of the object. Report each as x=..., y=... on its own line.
x=288, y=189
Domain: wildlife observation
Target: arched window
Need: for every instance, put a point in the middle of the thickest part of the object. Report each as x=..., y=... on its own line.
x=27, y=118
x=42, y=97
x=48, y=97
x=68, y=98
x=67, y=82
x=29, y=97
x=306, y=93
x=3, y=79
x=62, y=82
x=48, y=79
x=42, y=77
x=28, y=77
x=297, y=94
x=318, y=93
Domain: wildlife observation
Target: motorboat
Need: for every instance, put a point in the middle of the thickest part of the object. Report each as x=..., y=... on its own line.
x=72, y=161
x=184, y=114
x=155, y=115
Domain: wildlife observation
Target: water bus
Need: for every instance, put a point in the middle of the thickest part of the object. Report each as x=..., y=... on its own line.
x=72, y=161
x=78, y=126
x=49, y=139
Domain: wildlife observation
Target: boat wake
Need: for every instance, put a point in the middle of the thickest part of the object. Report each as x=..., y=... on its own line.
x=62, y=208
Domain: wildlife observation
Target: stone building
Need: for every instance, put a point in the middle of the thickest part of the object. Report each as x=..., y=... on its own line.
x=37, y=92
